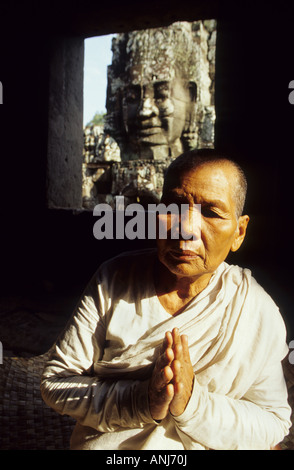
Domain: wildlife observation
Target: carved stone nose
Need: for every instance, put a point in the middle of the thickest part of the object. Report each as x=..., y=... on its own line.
x=148, y=108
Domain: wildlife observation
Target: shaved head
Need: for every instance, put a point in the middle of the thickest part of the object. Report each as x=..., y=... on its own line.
x=191, y=160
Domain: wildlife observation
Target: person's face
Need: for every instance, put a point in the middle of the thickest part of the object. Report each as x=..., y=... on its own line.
x=154, y=113
x=212, y=186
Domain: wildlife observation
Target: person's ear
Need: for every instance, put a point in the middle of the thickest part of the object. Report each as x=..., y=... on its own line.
x=240, y=232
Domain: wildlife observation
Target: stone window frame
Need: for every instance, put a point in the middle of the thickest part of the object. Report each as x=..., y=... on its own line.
x=65, y=124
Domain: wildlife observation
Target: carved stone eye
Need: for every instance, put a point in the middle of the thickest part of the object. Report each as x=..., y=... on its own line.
x=161, y=91
x=132, y=94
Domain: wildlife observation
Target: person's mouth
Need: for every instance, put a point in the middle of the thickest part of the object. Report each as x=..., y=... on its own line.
x=184, y=255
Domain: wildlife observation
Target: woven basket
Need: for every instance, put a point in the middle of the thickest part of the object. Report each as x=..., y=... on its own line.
x=27, y=423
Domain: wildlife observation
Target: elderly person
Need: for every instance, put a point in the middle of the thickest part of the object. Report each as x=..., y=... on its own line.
x=174, y=348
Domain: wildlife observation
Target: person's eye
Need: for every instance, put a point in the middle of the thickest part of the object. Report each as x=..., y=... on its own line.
x=209, y=213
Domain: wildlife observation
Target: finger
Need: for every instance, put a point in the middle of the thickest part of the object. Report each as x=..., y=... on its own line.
x=178, y=352
x=169, y=390
x=177, y=344
x=176, y=336
x=178, y=403
x=177, y=371
x=165, y=359
x=167, y=342
x=167, y=374
x=166, y=355
x=163, y=378
x=178, y=389
x=185, y=348
x=168, y=339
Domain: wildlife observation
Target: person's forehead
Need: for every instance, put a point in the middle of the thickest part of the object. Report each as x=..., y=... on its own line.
x=210, y=179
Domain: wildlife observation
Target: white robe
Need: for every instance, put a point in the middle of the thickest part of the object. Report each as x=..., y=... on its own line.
x=99, y=369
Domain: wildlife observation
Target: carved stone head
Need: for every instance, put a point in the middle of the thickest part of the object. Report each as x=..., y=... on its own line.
x=152, y=91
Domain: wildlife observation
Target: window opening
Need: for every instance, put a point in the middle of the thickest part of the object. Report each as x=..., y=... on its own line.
x=159, y=102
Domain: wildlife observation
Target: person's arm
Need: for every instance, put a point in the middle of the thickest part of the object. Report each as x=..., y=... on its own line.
x=259, y=420
x=69, y=387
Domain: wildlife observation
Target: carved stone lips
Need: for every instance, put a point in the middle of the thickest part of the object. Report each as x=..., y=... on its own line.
x=149, y=130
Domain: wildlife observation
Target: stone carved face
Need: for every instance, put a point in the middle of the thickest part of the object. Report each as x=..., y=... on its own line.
x=153, y=108
x=155, y=115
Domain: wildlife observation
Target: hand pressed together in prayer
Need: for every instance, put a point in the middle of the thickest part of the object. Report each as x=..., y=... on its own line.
x=171, y=382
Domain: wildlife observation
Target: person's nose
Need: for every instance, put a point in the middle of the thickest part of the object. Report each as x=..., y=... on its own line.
x=190, y=223
x=148, y=108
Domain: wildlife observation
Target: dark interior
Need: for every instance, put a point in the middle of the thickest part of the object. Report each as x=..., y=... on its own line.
x=49, y=254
